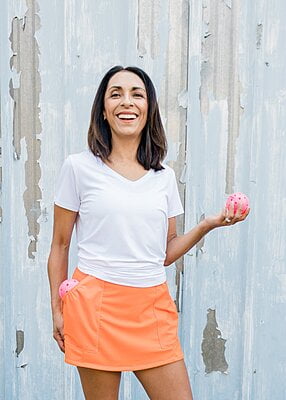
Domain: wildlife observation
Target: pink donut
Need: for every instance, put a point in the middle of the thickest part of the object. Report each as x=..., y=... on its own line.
x=67, y=285
x=234, y=199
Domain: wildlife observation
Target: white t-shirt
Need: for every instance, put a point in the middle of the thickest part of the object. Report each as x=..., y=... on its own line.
x=122, y=225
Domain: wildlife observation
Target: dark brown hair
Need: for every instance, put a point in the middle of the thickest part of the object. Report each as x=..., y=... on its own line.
x=153, y=145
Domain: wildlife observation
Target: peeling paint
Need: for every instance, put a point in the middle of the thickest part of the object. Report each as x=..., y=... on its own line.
x=183, y=98
x=259, y=30
x=213, y=346
x=239, y=272
x=219, y=71
x=148, y=33
x=173, y=95
x=19, y=342
x=182, y=178
x=26, y=120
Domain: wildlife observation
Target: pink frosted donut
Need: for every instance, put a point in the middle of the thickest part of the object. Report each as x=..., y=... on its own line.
x=234, y=199
x=67, y=285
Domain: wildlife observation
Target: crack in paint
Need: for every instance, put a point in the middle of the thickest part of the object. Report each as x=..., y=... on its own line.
x=26, y=120
x=213, y=346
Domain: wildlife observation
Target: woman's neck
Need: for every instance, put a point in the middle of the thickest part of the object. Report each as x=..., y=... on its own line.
x=124, y=151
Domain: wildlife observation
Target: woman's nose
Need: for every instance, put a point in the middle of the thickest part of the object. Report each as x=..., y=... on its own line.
x=127, y=100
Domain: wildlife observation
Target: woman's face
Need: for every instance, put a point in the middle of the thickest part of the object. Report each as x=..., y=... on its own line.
x=125, y=104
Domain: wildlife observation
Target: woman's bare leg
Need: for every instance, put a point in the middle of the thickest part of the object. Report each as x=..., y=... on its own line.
x=167, y=382
x=99, y=385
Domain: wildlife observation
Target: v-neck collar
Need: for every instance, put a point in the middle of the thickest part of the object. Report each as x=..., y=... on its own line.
x=118, y=175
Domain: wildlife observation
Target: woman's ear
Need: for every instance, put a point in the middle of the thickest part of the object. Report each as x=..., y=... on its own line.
x=104, y=115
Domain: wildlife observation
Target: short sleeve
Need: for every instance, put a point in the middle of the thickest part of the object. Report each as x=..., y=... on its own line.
x=174, y=202
x=67, y=195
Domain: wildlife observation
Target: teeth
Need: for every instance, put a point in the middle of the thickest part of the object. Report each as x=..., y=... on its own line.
x=127, y=116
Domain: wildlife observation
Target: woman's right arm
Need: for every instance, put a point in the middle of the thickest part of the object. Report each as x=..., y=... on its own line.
x=64, y=221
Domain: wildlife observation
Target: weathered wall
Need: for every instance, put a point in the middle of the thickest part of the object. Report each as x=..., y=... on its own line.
x=236, y=142
x=218, y=67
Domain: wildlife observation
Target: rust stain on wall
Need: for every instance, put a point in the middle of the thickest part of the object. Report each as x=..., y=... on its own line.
x=213, y=346
x=26, y=120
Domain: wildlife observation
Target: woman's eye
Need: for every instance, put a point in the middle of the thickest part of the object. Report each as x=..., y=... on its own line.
x=115, y=95
x=138, y=95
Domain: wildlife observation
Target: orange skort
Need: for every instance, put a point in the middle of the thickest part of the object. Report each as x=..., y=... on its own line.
x=119, y=328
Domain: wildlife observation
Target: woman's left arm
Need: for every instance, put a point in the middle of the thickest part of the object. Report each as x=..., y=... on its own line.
x=177, y=246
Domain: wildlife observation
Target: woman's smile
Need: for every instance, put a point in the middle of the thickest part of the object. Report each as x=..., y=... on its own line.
x=127, y=116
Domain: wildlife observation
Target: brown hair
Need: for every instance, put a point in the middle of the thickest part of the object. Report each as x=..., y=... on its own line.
x=153, y=145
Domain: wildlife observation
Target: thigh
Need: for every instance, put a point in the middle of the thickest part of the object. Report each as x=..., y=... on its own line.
x=99, y=385
x=167, y=382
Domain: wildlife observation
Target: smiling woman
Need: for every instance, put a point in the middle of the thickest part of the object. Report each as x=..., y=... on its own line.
x=126, y=105
x=124, y=201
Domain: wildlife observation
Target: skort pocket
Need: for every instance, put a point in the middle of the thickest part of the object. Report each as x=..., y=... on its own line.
x=166, y=315
x=81, y=312
x=82, y=278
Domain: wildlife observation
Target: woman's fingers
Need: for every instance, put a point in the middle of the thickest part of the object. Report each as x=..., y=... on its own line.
x=244, y=215
x=227, y=217
x=58, y=333
x=239, y=210
x=60, y=340
x=237, y=214
x=241, y=216
x=231, y=216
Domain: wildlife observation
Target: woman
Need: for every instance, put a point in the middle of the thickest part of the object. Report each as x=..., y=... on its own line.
x=124, y=202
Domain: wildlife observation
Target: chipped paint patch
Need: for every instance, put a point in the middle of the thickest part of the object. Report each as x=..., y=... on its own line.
x=259, y=30
x=19, y=342
x=213, y=346
x=26, y=120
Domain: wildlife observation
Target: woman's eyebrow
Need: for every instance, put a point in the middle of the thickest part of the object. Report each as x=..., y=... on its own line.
x=133, y=88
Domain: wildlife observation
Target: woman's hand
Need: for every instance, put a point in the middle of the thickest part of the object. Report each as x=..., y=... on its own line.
x=227, y=217
x=58, y=329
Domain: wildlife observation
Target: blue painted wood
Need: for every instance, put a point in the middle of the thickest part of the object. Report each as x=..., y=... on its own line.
x=219, y=70
x=239, y=272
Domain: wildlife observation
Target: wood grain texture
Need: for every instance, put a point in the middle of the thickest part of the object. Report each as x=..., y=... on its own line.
x=219, y=71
